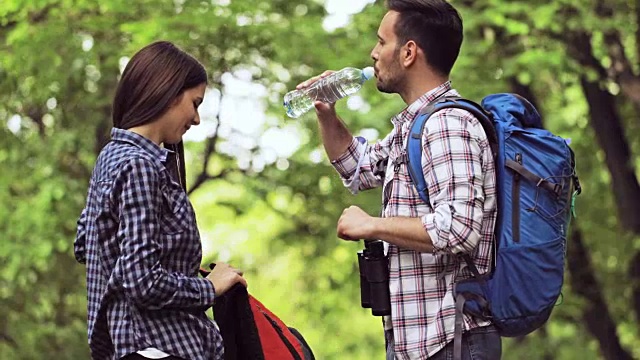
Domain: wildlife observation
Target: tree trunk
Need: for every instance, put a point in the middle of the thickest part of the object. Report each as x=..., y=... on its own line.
x=102, y=135
x=634, y=276
x=596, y=313
x=609, y=132
x=525, y=91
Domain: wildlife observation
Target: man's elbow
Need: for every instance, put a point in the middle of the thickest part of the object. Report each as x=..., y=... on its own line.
x=454, y=234
x=466, y=244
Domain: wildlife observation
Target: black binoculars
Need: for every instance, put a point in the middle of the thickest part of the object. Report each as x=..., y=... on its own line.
x=374, y=278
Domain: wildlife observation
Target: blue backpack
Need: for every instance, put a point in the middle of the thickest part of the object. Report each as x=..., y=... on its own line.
x=536, y=188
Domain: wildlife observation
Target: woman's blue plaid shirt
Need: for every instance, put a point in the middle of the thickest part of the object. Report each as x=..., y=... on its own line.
x=139, y=240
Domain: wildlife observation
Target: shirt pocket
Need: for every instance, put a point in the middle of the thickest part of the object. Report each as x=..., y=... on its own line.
x=176, y=217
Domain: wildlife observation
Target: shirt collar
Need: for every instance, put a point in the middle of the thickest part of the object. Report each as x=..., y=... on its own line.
x=140, y=142
x=412, y=110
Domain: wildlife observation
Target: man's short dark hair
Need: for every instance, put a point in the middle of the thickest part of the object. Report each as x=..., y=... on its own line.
x=435, y=25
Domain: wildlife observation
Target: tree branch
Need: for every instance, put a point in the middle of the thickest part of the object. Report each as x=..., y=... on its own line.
x=621, y=69
x=204, y=177
x=637, y=13
x=622, y=72
x=33, y=17
x=209, y=150
x=579, y=47
x=9, y=340
x=36, y=114
x=212, y=143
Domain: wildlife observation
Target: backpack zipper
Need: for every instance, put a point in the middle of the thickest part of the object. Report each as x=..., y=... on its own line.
x=288, y=344
x=515, y=200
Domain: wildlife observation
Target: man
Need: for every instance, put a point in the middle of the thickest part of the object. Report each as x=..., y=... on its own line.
x=418, y=43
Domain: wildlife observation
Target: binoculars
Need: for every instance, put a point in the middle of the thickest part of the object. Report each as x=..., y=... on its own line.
x=374, y=278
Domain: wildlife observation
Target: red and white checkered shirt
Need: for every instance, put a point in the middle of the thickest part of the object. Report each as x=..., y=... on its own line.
x=460, y=173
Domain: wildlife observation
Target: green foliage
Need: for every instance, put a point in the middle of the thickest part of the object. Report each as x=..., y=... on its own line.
x=274, y=216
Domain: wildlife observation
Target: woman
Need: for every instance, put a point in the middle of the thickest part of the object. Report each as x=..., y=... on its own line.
x=137, y=234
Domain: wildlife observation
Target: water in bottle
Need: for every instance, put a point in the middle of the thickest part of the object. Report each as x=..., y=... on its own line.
x=329, y=90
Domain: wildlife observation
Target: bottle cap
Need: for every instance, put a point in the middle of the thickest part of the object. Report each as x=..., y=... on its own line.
x=368, y=72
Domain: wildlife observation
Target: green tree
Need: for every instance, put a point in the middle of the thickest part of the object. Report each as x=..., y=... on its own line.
x=274, y=214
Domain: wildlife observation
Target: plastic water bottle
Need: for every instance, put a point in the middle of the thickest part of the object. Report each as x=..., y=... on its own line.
x=329, y=90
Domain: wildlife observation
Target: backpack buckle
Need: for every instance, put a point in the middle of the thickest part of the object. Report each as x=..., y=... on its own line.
x=555, y=188
x=399, y=161
x=576, y=185
x=381, y=168
x=486, y=313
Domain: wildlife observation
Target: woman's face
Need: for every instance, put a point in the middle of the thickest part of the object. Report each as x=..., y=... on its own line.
x=181, y=115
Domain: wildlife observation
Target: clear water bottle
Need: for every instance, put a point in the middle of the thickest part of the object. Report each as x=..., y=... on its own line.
x=329, y=90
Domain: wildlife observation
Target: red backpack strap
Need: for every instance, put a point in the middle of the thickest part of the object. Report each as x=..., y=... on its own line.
x=278, y=342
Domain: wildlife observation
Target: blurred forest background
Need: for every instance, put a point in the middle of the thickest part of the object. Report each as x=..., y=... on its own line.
x=266, y=197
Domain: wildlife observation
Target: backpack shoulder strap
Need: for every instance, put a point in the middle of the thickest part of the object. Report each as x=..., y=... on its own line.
x=416, y=130
x=414, y=164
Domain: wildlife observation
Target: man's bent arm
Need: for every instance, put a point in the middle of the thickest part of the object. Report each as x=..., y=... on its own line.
x=335, y=135
x=404, y=232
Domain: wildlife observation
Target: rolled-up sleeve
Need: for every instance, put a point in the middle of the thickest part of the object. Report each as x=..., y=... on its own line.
x=452, y=164
x=138, y=269
x=357, y=165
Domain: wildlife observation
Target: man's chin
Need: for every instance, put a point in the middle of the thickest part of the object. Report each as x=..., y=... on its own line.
x=384, y=89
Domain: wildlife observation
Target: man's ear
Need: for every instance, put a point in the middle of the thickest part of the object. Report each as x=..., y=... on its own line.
x=409, y=53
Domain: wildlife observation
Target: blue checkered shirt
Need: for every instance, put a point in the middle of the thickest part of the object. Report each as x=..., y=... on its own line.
x=139, y=240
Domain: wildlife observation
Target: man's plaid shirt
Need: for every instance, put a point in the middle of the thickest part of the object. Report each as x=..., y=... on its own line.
x=459, y=169
x=140, y=242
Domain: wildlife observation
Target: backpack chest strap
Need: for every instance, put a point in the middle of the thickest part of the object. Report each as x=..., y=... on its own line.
x=402, y=159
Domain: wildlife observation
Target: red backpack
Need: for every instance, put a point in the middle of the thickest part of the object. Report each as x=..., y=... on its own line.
x=251, y=331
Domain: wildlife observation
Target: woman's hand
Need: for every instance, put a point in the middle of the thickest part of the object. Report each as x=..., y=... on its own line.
x=223, y=277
